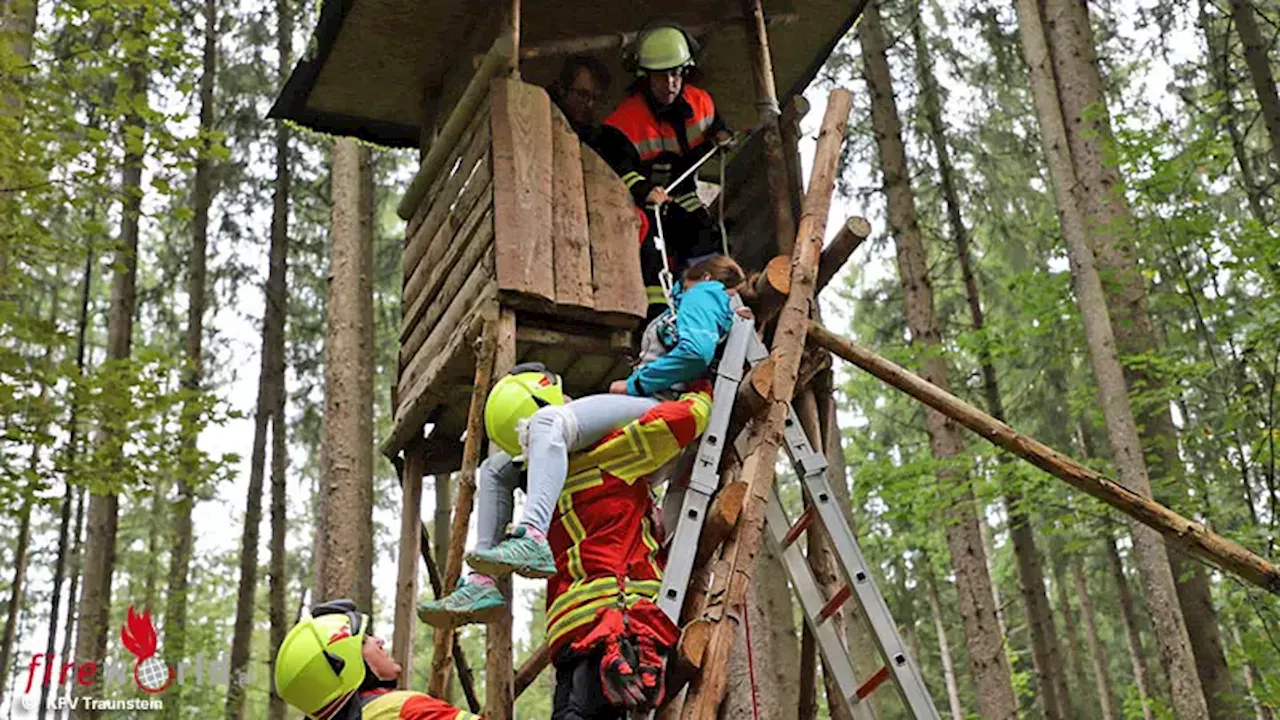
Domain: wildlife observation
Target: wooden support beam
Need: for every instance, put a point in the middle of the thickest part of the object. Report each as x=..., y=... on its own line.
x=784, y=220
x=720, y=519
x=463, y=501
x=1189, y=535
x=613, y=41
x=767, y=290
x=410, y=548
x=460, y=665
x=499, y=686
x=618, y=341
x=494, y=61
x=707, y=692
x=532, y=668
x=837, y=252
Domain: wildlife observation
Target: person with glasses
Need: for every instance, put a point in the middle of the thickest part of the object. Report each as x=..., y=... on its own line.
x=581, y=84
x=663, y=126
x=332, y=667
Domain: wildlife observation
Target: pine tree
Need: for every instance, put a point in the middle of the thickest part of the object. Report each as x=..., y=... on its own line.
x=988, y=663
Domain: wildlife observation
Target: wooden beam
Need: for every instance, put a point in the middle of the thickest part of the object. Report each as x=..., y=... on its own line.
x=720, y=519
x=499, y=686
x=613, y=227
x=463, y=501
x=571, y=241
x=407, y=572
x=1189, y=535
x=707, y=693
x=522, y=194
x=766, y=291
x=612, y=41
x=617, y=342
x=784, y=220
x=837, y=252
x=495, y=60
x=532, y=668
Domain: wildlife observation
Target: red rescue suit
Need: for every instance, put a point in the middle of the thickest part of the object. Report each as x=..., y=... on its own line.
x=407, y=705
x=650, y=146
x=606, y=546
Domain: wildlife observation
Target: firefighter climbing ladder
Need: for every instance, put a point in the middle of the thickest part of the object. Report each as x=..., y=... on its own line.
x=743, y=348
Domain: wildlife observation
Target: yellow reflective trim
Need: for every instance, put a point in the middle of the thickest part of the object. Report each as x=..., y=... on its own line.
x=700, y=406
x=573, y=526
x=579, y=593
x=579, y=616
x=655, y=295
x=631, y=178
x=583, y=480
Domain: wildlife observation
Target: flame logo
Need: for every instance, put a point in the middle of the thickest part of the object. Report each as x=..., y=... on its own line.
x=139, y=637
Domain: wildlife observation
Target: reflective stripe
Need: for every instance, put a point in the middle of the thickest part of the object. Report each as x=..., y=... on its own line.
x=631, y=178
x=579, y=592
x=573, y=526
x=655, y=295
x=689, y=201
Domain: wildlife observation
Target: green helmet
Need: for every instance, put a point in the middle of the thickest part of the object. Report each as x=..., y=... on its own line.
x=320, y=665
x=517, y=396
x=662, y=48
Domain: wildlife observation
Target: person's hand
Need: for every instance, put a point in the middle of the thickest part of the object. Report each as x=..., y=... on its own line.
x=657, y=196
x=745, y=312
x=618, y=387
x=724, y=138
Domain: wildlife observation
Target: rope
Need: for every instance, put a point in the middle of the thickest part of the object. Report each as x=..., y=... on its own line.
x=665, y=279
x=751, y=663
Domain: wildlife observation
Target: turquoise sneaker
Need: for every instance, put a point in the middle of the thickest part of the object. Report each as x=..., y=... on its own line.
x=519, y=553
x=469, y=603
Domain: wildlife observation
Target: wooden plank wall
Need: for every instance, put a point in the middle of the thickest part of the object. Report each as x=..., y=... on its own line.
x=566, y=228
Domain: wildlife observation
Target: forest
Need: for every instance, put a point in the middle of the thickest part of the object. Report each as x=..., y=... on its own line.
x=1074, y=228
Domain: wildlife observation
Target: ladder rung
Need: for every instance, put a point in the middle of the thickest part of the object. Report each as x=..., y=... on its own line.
x=873, y=682
x=833, y=605
x=797, y=529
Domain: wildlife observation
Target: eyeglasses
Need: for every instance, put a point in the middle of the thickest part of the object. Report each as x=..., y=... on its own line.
x=355, y=620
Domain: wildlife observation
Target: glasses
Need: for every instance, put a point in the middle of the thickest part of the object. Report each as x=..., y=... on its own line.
x=355, y=620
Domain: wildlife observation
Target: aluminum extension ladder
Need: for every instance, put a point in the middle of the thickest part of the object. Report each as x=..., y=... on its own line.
x=742, y=348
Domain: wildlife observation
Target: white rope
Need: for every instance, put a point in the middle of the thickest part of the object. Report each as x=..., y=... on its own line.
x=665, y=278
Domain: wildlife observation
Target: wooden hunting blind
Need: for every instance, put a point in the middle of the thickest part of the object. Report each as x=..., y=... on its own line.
x=521, y=242
x=509, y=206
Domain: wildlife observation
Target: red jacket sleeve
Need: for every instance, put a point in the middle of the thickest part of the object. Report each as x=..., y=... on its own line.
x=425, y=707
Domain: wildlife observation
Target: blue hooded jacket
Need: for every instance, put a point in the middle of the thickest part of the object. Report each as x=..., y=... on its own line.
x=703, y=317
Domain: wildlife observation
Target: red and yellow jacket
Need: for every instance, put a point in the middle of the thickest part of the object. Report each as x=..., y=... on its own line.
x=407, y=705
x=605, y=546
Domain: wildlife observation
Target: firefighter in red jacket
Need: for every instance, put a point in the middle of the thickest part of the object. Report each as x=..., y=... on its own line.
x=331, y=667
x=656, y=133
x=606, y=634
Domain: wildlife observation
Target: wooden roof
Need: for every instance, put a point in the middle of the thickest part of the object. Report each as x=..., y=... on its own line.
x=377, y=68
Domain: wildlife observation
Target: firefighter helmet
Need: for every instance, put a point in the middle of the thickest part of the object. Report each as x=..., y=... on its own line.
x=320, y=665
x=520, y=394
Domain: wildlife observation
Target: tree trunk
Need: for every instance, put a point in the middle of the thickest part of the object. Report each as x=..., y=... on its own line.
x=444, y=501
x=175, y=615
x=944, y=647
x=73, y=571
x=1097, y=651
x=17, y=588
x=347, y=468
x=1219, y=65
x=1074, y=704
x=277, y=305
x=1264, y=84
x=1110, y=230
x=100, y=545
x=771, y=673
x=1045, y=655
x=68, y=499
x=990, y=667
x=1260, y=711
x=1133, y=639
x=1126, y=451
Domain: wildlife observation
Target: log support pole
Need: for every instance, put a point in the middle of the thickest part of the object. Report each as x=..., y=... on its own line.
x=499, y=693
x=1188, y=535
x=410, y=548
x=784, y=221
x=707, y=692
x=462, y=504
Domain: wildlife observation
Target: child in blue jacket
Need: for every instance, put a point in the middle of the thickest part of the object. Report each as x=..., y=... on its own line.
x=676, y=348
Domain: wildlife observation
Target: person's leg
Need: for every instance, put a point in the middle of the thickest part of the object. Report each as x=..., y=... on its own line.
x=477, y=598
x=554, y=433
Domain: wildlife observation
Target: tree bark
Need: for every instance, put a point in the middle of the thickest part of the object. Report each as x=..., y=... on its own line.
x=1126, y=451
x=444, y=501
x=100, y=545
x=1097, y=651
x=175, y=615
x=18, y=587
x=347, y=469
x=989, y=666
x=60, y=565
x=277, y=303
x=1133, y=639
x=944, y=647
x=1264, y=84
x=1045, y=655
x=1075, y=703
x=1260, y=711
